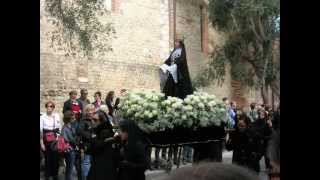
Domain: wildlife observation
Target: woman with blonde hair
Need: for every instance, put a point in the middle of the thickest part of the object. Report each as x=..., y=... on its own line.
x=85, y=134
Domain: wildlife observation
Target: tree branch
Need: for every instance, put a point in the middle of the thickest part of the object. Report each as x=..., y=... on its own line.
x=235, y=22
x=261, y=29
x=253, y=28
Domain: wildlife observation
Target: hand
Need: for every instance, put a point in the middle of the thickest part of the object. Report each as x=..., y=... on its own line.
x=275, y=167
x=227, y=137
x=269, y=122
x=116, y=134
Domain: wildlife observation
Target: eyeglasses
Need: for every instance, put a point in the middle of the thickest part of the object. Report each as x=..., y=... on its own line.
x=51, y=106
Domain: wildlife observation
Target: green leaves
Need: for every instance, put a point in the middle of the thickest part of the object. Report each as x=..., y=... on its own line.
x=78, y=26
x=251, y=26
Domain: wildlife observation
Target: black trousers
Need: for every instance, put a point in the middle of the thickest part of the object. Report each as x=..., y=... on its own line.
x=51, y=161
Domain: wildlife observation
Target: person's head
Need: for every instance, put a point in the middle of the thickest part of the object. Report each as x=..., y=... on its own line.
x=178, y=42
x=239, y=113
x=89, y=110
x=129, y=131
x=84, y=93
x=104, y=108
x=98, y=118
x=252, y=106
x=243, y=122
x=97, y=96
x=110, y=96
x=50, y=107
x=117, y=102
x=225, y=100
x=233, y=105
x=212, y=171
x=68, y=117
x=73, y=95
x=262, y=114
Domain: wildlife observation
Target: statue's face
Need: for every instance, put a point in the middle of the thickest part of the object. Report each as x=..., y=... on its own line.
x=176, y=44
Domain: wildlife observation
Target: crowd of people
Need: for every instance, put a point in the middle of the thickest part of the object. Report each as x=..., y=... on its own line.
x=251, y=134
x=96, y=151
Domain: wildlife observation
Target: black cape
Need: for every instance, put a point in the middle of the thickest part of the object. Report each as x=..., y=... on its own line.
x=184, y=86
x=104, y=162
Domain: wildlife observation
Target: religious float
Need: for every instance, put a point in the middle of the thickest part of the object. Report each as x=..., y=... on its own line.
x=199, y=117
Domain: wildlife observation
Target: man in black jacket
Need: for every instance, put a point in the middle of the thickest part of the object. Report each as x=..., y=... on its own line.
x=73, y=104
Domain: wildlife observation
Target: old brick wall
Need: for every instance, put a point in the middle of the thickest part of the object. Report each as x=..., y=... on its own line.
x=188, y=15
x=142, y=43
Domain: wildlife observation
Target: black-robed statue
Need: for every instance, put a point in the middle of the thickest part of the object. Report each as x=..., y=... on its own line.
x=174, y=74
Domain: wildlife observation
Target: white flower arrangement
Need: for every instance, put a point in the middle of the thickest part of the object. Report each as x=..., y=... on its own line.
x=153, y=112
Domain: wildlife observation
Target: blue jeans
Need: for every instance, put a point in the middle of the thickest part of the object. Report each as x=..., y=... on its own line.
x=85, y=166
x=70, y=161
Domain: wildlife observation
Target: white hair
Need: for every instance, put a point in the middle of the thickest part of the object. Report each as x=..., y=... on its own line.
x=104, y=108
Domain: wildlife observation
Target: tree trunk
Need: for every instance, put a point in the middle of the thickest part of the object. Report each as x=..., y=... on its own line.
x=272, y=99
x=264, y=94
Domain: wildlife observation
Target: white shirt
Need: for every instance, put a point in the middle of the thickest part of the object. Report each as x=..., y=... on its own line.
x=49, y=122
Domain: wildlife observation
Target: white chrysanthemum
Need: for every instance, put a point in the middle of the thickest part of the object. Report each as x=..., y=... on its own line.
x=201, y=105
x=155, y=112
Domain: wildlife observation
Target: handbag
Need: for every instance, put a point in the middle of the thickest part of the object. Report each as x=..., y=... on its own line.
x=62, y=145
x=50, y=136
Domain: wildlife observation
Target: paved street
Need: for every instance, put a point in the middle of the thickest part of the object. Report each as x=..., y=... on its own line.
x=161, y=174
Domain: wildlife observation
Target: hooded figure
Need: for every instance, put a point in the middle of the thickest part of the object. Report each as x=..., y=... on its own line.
x=134, y=160
x=174, y=73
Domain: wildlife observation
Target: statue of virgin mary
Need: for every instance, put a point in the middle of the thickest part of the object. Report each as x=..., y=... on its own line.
x=174, y=74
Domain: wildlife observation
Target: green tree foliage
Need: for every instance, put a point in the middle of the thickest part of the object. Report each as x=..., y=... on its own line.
x=252, y=26
x=79, y=27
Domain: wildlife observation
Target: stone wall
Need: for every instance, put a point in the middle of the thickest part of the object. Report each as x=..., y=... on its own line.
x=140, y=46
x=188, y=17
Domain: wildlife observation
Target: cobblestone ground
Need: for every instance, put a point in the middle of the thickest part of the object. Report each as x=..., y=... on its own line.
x=161, y=174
